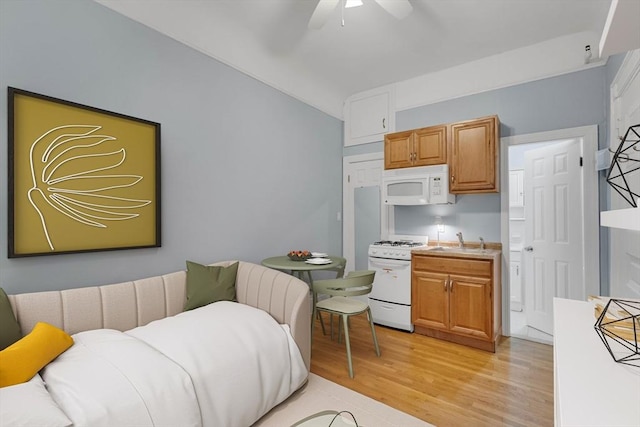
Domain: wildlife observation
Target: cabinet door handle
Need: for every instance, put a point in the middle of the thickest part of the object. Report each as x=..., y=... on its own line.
x=446, y=281
x=384, y=126
x=450, y=285
x=453, y=178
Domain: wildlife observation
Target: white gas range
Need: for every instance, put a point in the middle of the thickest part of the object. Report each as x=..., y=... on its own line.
x=390, y=298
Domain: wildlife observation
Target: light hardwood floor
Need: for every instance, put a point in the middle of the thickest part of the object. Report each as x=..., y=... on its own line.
x=443, y=383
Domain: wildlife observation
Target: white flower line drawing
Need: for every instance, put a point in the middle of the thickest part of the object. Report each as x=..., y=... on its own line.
x=49, y=188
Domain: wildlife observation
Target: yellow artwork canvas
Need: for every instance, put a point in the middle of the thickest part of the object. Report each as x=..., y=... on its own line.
x=80, y=178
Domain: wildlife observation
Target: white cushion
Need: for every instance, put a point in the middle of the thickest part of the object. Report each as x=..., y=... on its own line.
x=342, y=305
x=29, y=404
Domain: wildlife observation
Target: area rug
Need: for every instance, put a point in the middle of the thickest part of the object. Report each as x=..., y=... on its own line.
x=321, y=395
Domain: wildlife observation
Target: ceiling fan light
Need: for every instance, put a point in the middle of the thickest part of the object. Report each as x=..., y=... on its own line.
x=352, y=3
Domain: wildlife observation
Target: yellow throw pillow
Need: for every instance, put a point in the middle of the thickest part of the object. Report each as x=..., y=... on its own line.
x=23, y=359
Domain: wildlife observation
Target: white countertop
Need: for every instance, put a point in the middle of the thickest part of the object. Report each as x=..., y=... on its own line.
x=591, y=389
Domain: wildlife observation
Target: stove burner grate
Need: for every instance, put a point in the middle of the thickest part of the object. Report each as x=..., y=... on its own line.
x=401, y=243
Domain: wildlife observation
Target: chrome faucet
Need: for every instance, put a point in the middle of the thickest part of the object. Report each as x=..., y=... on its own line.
x=460, y=239
x=481, y=243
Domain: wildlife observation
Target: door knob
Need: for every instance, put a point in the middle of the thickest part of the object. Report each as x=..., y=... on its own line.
x=529, y=248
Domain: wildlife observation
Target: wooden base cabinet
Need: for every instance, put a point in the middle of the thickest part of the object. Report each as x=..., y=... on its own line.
x=457, y=299
x=470, y=310
x=432, y=287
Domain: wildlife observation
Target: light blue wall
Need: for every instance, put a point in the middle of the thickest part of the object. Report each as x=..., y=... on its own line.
x=566, y=101
x=473, y=215
x=247, y=172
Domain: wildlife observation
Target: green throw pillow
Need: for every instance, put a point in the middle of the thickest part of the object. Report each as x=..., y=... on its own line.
x=210, y=283
x=9, y=328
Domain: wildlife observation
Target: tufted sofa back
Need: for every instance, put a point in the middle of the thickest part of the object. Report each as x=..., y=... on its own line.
x=124, y=306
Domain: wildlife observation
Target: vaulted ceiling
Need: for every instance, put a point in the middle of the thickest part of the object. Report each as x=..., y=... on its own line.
x=270, y=39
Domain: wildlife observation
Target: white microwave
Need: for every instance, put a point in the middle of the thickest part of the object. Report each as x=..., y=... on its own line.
x=421, y=185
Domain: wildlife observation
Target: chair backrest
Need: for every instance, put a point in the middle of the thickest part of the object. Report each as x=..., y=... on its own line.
x=339, y=269
x=355, y=283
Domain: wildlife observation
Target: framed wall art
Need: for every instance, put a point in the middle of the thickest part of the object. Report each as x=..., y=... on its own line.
x=81, y=179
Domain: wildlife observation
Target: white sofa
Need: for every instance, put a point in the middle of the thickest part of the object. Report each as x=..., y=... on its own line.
x=131, y=305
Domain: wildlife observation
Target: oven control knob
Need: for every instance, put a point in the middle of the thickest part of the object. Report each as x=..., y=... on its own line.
x=385, y=252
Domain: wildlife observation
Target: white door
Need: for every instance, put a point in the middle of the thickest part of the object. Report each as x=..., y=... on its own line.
x=363, y=216
x=553, y=243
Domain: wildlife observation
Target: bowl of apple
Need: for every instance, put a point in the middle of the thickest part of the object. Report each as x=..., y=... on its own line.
x=299, y=255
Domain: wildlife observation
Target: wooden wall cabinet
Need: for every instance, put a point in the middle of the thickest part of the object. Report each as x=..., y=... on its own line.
x=470, y=148
x=457, y=299
x=473, y=161
x=418, y=147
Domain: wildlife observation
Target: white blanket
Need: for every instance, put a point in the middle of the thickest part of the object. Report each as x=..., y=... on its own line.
x=225, y=364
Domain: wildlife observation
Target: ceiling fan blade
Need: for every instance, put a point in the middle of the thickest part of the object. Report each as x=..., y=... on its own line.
x=321, y=14
x=398, y=8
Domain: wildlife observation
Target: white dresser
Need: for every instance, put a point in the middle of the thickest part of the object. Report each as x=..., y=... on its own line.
x=590, y=388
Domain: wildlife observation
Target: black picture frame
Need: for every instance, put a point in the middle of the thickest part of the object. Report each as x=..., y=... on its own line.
x=80, y=178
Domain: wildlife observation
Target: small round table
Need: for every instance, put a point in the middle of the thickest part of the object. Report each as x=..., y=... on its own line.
x=299, y=267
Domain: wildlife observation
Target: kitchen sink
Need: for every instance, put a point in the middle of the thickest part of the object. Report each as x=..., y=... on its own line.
x=458, y=250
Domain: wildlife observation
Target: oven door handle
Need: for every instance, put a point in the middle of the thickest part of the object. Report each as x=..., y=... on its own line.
x=388, y=264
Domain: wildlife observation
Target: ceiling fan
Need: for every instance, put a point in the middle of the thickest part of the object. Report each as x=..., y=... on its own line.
x=398, y=8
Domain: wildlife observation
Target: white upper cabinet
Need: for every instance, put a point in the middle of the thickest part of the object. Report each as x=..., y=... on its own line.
x=368, y=116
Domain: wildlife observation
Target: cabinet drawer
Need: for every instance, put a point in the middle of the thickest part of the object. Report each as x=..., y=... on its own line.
x=393, y=315
x=464, y=266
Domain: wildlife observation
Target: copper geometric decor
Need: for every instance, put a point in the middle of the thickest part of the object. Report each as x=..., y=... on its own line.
x=618, y=327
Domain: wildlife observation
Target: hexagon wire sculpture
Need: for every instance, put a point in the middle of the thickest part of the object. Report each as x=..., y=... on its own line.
x=618, y=327
x=625, y=166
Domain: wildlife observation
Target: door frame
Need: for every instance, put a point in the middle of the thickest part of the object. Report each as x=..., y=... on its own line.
x=348, y=207
x=590, y=207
